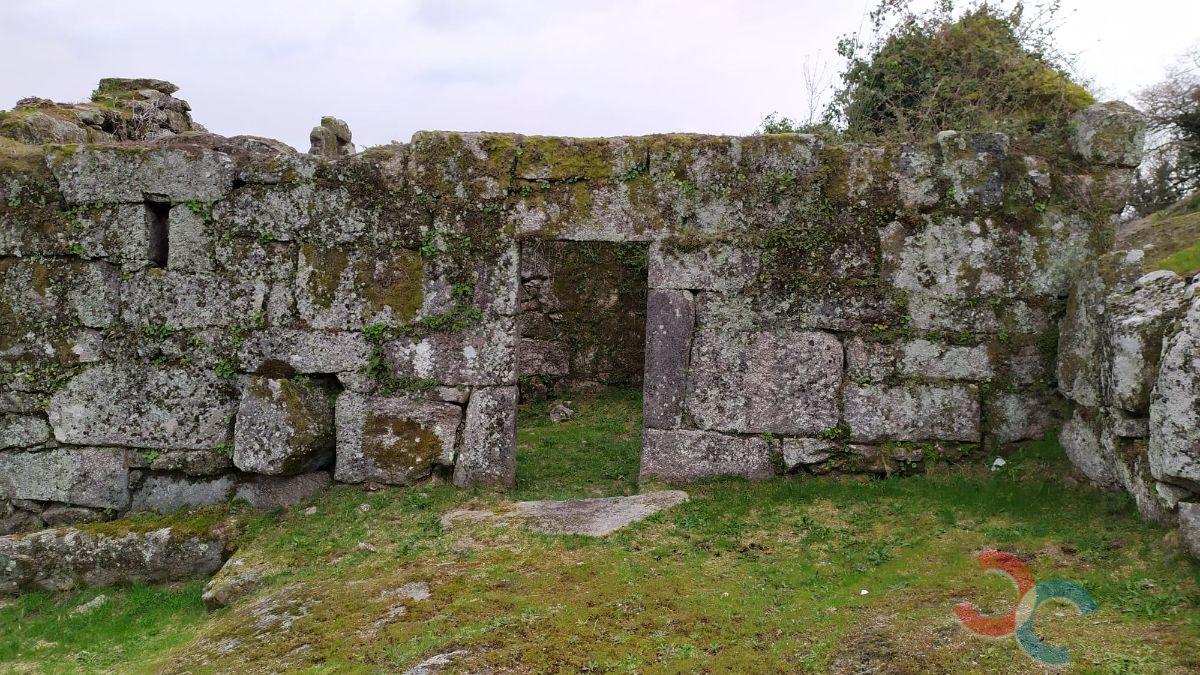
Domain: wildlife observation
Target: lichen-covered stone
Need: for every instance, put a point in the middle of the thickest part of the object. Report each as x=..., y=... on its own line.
x=331, y=139
x=1081, y=438
x=393, y=439
x=1189, y=527
x=340, y=290
x=670, y=317
x=716, y=267
x=927, y=359
x=181, y=299
x=593, y=517
x=169, y=492
x=1174, y=451
x=971, y=165
x=22, y=431
x=191, y=240
x=143, y=406
x=1112, y=132
x=283, y=427
x=953, y=258
x=275, y=492
x=190, y=462
x=483, y=355
x=767, y=382
x=913, y=412
x=1081, y=333
x=304, y=352
x=1134, y=325
x=800, y=452
x=82, y=476
x=488, y=453
x=92, y=174
x=1023, y=415
x=682, y=455
x=68, y=558
x=45, y=290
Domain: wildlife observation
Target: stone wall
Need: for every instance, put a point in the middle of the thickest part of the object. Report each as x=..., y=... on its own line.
x=187, y=318
x=1130, y=365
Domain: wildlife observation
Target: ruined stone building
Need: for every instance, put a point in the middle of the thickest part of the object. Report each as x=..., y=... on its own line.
x=187, y=318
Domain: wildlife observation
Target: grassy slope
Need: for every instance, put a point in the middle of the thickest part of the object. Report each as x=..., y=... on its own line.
x=1171, y=237
x=765, y=577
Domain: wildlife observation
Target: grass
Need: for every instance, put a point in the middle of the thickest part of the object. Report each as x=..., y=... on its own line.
x=1171, y=238
x=764, y=577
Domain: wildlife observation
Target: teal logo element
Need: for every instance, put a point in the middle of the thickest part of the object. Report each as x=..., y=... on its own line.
x=1030, y=596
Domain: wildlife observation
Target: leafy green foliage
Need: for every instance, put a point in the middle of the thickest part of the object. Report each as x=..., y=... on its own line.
x=984, y=69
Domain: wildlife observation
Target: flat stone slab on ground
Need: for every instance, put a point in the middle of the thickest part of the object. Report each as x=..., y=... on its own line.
x=594, y=517
x=590, y=517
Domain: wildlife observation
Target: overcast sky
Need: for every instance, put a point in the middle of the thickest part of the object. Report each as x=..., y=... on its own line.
x=566, y=67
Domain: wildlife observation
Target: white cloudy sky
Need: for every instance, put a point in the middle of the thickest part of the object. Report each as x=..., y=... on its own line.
x=570, y=67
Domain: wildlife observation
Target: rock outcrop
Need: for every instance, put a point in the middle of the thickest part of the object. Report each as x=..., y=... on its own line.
x=1129, y=362
x=68, y=558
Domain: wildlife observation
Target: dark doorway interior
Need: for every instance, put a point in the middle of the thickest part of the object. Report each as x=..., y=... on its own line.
x=583, y=317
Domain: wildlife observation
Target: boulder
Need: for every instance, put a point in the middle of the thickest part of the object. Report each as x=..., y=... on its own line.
x=1081, y=437
x=393, y=439
x=1174, y=451
x=144, y=406
x=1112, y=132
x=1132, y=338
x=1083, y=327
x=235, y=580
x=284, y=427
x=64, y=559
x=331, y=139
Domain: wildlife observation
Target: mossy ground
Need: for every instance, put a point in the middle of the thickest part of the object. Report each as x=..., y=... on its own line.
x=1171, y=238
x=745, y=577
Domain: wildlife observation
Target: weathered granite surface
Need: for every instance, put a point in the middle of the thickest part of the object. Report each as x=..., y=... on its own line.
x=174, y=305
x=1129, y=362
x=67, y=558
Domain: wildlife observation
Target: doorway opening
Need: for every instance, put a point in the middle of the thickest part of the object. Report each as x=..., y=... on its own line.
x=580, y=360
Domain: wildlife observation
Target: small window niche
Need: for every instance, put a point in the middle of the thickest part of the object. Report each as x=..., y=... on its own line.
x=158, y=227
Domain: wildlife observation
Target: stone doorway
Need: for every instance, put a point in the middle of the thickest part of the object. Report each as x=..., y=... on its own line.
x=580, y=358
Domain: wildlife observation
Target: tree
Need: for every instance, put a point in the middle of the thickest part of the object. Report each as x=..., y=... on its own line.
x=981, y=68
x=1173, y=156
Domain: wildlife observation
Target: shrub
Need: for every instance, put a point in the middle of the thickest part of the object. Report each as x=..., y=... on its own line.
x=983, y=69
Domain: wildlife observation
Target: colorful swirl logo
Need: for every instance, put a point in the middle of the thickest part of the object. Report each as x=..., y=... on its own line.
x=1030, y=596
